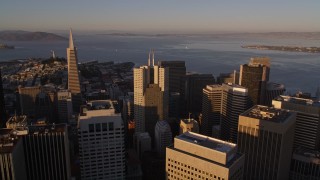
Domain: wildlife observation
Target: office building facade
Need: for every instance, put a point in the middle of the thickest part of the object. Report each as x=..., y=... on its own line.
x=265, y=135
x=101, y=142
x=163, y=137
x=46, y=149
x=211, y=108
x=12, y=162
x=222, y=105
x=234, y=102
x=194, y=156
x=254, y=76
x=307, y=129
x=194, y=84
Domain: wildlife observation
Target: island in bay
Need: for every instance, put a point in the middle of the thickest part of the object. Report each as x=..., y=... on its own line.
x=284, y=48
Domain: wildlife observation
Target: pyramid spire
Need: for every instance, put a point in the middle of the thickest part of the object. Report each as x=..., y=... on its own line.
x=71, y=46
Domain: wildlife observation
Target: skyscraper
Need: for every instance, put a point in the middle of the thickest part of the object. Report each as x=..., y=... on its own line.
x=265, y=135
x=273, y=90
x=102, y=157
x=222, y=105
x=177, y=73
x=151, y=96
x=305, y=164
x=194, y=156
x=3, y=117
x=234, y=102
x=193, y=91
x=254, y=76
x=73, y=75
x=64, y=106
x=211, y=108
x=37, y=102
x=163, y=137
x=28, y=96
x=307, y=129
x=12, y=163
x=228, y=78
x=46, y=149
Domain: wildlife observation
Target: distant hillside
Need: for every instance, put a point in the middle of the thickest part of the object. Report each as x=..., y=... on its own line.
x=29, y=36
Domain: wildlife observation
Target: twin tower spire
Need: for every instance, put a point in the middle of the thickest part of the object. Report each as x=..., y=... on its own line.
x=151, y=52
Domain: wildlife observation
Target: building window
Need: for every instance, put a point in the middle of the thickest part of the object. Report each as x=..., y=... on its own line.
x=104, y=127
x=98, y=127
x=91, y=128
x=111, y=126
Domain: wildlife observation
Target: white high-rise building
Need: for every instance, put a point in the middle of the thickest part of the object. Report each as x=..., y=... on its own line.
x=101, y=142
x=151, y=97
x=163, y=137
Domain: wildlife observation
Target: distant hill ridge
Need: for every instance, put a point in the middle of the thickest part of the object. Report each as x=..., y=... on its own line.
x=29, y=36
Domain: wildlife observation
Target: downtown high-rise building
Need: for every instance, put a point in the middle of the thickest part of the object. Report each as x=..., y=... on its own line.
x=254, y=76
x=64, y=106
x=163, y=137
x=234, y=102
x=211, y=108
x=46, y=149
x=73, y=75
x=305, y=162
x=177, y=73
x=37, y=102
x=151, y=96
x=307, y=129
x=265, y=136
x=3, y=117
x=194, y=84
x=273, y=90
x=101, y=142
x=12, y=160
x=194, y=156
x=222, y=105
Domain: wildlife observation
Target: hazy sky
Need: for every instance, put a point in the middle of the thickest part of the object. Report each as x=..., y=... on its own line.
x=161, y=15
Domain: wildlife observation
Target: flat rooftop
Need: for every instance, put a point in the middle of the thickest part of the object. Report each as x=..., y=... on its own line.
x=212, y=86
x=7, y=140
x=46, y=128
x=268, y=113
x=99, y=108
x=297, y=100
x=208, y=142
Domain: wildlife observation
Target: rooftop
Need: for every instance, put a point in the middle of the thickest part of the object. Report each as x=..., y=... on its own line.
x=208, y=142
x=297, y=100
x=98, y=108
x=46, y=128
x=267, y=113
x=236, y=87
x=274, y=86
x=8, y=139
x=189, y=121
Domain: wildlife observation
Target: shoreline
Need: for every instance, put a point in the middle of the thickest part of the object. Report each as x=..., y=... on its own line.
x=284, y=48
